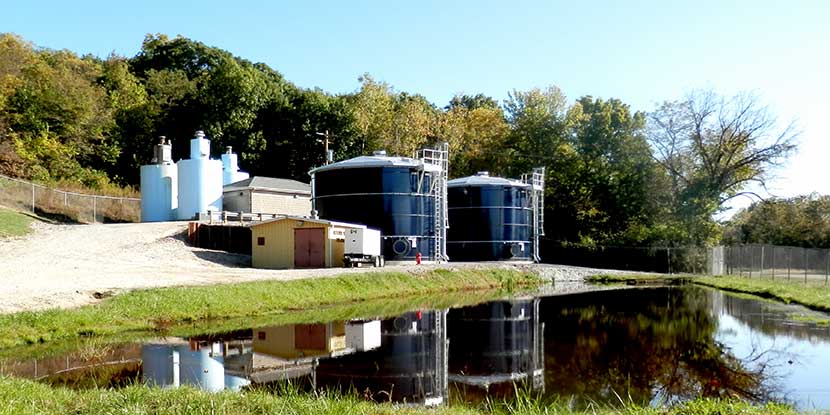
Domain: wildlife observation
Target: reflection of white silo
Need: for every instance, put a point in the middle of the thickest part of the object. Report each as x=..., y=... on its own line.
x=200, y=180
x=200, y=369
x=160, y=365
x=230, y=168
x=159, y=187
x=173, y=365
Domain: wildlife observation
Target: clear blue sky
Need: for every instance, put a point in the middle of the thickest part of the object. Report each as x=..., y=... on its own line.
x=641, y=52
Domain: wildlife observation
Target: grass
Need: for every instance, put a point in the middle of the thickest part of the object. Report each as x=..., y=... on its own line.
x=227, y=305
x=13, y=223
x=813, y=294
x=23, y=396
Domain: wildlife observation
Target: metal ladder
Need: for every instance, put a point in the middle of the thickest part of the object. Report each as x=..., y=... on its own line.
x=439, y=156
x=536, y=178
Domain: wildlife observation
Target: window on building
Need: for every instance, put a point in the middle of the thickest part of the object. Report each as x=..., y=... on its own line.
x=260, y=241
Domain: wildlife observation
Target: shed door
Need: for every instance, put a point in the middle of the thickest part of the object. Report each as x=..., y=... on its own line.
x=308, y=248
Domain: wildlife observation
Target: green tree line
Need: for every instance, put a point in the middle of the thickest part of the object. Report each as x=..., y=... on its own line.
x=615, y=176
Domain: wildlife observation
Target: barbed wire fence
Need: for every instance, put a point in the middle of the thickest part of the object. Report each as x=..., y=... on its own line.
x=77, y=207
x=776, y=262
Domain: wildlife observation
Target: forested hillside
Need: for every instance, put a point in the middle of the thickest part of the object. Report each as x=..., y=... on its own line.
x=615, y=176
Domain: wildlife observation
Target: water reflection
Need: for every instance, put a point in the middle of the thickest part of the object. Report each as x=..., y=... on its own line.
x=650, y=346
x=495, y=344
x=647, y=345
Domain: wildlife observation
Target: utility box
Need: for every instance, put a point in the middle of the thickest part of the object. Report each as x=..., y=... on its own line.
x=363, y=335
x=362, y=242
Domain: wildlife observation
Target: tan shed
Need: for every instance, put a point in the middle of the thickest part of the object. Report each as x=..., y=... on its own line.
x=298, y=242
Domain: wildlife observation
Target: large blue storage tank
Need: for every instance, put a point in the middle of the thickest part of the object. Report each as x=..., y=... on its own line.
x=393, y=194
x=491, y=219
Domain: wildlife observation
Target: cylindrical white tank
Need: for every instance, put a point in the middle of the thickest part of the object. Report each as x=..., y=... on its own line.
x=230, y=168
x=159, y=192
x=200, y=180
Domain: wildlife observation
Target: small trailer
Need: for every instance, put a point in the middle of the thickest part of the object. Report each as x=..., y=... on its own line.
x=362, y=247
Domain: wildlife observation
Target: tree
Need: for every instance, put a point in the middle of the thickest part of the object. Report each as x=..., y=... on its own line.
x=799, y=221
x=711, y=148
x=615, y=172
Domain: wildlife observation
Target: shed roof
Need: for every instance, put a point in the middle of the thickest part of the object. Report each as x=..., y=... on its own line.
x=269, y=183
x=312, y=220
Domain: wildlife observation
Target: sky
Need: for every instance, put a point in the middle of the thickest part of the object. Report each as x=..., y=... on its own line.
x=641, y=52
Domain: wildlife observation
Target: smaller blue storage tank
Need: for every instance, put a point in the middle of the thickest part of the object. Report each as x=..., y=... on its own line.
x=491, y=219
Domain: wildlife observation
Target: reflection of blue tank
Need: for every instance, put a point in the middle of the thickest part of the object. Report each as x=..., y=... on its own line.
x=393, y=194
x=496, y=342
x=491, y=219
x=409, y=366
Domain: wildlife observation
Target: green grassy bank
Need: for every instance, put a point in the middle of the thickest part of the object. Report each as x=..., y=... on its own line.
x=227, y=305
x=812, y=294
x=13, y=223
x=23, y=396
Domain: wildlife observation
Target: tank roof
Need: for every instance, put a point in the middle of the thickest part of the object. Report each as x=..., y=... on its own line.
x=377, y=161
x=485, y=180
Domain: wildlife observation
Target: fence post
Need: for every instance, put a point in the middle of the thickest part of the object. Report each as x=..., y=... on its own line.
x=804, y=250
x=761, y=273
x=64, y=199
x=773, y=262
x=827, y=269
x=750, y=260
x=789, y=261
x=94, y=216
x=33, y=198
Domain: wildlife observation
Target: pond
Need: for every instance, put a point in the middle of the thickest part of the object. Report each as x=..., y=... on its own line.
x=650, y=346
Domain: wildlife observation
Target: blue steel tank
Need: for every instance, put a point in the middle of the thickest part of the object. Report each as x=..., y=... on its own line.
x=491, y=219
x=393, y=194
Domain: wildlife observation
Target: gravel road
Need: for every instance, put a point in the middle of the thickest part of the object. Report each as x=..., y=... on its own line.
x=72, y=265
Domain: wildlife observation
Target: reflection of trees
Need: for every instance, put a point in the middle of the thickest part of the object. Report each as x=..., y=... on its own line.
x=643, y=344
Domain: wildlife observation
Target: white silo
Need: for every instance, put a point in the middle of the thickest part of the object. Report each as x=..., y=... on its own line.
x=159, y=185
x=200, y=180
x=230, y=168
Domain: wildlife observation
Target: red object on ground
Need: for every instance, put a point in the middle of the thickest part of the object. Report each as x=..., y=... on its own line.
x=418, y=258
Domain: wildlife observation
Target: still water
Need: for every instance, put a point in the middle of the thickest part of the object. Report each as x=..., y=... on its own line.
x=650, y=346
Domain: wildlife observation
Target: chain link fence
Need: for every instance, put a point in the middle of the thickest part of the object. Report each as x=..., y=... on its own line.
x=667, y=260
x=777, y=262
x=71, y=206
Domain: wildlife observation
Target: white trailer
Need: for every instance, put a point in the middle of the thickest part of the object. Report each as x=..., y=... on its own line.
x=362, y=247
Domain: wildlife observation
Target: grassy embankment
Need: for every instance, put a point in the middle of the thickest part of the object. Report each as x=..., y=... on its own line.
x=812, y=294
x=234, y=306
x=22, y=396
x=13, y=223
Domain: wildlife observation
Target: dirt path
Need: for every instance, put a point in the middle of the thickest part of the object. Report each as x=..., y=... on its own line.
x=66, y=265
